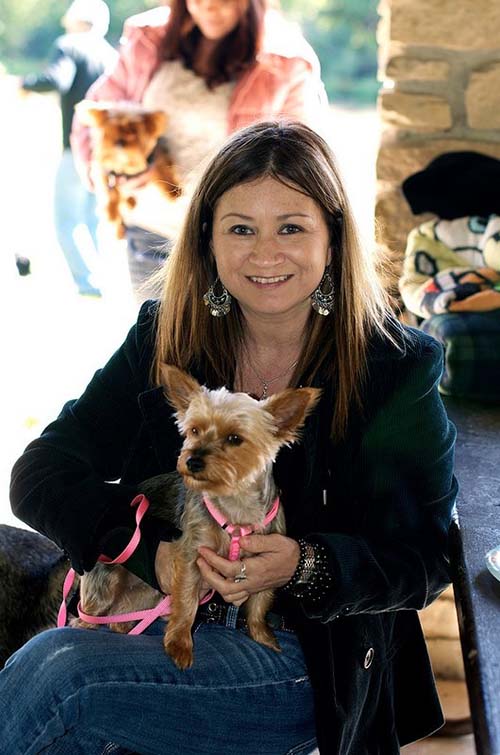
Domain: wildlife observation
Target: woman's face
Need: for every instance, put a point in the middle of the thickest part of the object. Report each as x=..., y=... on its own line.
x=216, y=18
x=271, y=245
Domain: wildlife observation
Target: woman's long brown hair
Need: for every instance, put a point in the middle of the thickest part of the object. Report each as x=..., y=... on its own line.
x=234, y=54
x=188, y=336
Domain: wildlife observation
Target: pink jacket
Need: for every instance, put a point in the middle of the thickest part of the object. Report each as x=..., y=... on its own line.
x=284, y=82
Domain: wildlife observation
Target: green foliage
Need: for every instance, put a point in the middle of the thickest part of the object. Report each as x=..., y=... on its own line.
x=341, y=31
x=343, y=34
x=28, y=28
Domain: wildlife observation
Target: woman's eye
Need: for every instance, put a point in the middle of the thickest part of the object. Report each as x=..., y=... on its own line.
x=241, y=230
x=234, y=440
x=290, y=228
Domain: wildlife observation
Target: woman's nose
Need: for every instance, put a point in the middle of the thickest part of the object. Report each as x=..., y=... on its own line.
x=266, y=252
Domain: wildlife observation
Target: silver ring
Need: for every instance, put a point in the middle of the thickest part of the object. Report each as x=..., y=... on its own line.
x=243, y=573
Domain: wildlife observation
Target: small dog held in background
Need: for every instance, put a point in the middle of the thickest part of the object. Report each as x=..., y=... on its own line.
x=230, y=443
x=126, y=141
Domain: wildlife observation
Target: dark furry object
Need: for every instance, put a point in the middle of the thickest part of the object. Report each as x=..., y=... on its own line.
x=32, y=571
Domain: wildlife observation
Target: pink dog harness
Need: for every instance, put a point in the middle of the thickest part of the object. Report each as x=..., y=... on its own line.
x=144, y=617
x=237, y=531
x=147, y=616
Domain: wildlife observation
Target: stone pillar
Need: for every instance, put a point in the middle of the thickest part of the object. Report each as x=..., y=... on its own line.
x=440, y=74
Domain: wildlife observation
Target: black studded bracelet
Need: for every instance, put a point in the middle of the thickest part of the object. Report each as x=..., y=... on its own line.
x=311, y=579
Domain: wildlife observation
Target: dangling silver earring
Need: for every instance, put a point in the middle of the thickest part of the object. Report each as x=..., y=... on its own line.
x=323, y=297
x=218, y=304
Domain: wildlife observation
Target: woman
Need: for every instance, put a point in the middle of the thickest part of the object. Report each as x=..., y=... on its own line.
x=269, y=242
x=213, y=66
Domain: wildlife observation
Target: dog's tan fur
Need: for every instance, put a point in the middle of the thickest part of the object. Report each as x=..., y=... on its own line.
x=236, y=476
x=123, y=137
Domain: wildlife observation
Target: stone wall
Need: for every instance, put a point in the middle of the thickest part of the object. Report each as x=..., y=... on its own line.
x=440, y=74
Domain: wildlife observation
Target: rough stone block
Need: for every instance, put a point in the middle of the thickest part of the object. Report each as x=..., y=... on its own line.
x=397, y=160
x=417, y=112
x=394, y=220
x=414, y=69
x=482, y=98
x=458, y=24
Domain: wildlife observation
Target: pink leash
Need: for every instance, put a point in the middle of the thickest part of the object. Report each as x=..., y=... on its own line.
x=144, y=617
x=237, y=531
x=147, y=616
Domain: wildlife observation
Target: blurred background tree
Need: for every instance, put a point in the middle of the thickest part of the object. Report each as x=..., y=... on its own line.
x=341, y=31
x=343, y=34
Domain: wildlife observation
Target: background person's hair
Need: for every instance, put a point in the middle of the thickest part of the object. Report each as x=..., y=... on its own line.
x=234, y=53
x=189, y=337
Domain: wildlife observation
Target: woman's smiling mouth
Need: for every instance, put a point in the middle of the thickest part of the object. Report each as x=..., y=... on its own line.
x=269, y=281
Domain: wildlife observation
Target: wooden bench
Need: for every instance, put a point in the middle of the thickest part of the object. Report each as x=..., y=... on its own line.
x=477, y=592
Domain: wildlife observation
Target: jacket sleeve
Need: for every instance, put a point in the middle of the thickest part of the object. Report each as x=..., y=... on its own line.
x=306, y=99
x=65, y=484
x=58, y=76
x=399, y=557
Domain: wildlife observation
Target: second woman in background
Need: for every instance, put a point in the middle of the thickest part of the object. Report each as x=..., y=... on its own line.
x=213, y=66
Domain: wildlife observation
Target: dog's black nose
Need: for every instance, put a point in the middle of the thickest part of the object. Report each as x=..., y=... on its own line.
x=195, y=464
x=120, y=143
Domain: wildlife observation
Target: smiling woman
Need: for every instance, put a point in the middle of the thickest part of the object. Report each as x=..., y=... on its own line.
x=271, y=246
x=367, y=494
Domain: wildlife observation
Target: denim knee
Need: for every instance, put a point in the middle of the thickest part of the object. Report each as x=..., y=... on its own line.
x=46, y=660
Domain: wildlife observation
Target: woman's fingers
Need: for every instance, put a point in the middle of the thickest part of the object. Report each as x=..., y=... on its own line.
x=231, y=591
x=228, y=569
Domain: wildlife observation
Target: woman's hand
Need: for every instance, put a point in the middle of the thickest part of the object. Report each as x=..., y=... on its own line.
x=272, y=563
x=163, y=568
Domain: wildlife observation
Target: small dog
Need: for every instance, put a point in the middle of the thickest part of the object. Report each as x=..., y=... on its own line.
x=230, y=443
x=127, y=140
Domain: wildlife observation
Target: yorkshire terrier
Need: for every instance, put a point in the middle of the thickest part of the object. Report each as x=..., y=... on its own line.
x=230, y=443
x=126, y=141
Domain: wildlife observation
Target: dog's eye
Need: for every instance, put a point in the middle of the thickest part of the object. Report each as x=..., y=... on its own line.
x=234, y=440
x=194, y=431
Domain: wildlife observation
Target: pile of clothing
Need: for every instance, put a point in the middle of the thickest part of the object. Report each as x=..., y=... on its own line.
x=451, y=273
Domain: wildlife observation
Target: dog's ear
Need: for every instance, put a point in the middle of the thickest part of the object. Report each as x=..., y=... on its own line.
x=290, y=409
x=89, y=114
x=155, y=123
x=179, y=387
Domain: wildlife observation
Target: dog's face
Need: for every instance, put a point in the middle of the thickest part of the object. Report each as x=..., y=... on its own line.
x=231, y=438
x=124, y=138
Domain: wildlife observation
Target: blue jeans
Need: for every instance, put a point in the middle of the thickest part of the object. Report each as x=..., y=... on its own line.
x=73, y=691
x=76, y=224
x=146, y=253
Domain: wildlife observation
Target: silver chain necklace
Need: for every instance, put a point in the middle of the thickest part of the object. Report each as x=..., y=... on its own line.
x=267, y=383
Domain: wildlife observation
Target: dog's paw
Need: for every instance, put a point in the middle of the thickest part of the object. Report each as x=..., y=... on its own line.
x=180, y=651
x=261, y=633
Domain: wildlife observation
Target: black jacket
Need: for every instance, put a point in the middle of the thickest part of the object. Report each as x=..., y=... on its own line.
x=76, y=61
x=384, y=519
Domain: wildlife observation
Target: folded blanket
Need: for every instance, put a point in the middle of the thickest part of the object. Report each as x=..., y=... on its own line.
x=448, y=261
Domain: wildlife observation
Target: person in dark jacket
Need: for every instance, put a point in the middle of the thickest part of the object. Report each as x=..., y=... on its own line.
x=78, y=58
x=368, y=494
